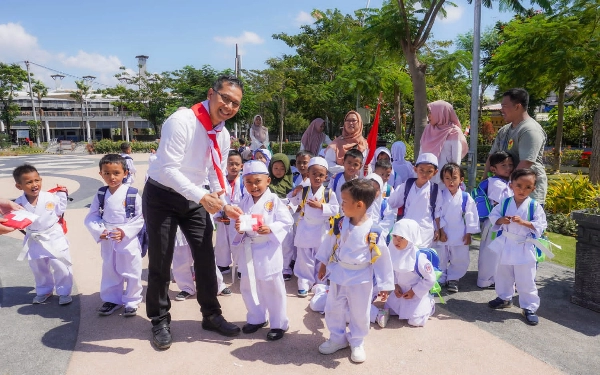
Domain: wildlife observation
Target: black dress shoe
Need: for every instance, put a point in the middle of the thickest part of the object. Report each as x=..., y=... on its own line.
x=161, y=336
x=218, y=324
x=275, y=334
x=251, y=328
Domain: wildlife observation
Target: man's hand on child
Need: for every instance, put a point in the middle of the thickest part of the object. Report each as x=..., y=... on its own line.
x=296, y=190
x=408, y=295
x=322, y=271
x=264, y=229
x=314, y=203
x=503, y=220
x=212, y=202
x=467, y=239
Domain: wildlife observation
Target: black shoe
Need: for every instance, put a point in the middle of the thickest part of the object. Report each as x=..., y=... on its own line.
x=224, y=270
x=218, y=324
x=251, y=328
x=161, y=336
x=239, y=275
x=292, y=264
x=225, y=292
x=530, y=317
x=275, y=334
x=287, y=277
x=499, y=303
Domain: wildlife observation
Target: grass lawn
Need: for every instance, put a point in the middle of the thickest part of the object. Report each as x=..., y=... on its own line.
x=566, y=255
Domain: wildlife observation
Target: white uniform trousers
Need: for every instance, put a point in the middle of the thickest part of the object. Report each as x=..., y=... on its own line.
x=454, y=261
x=354, y=300
x=319, y=299
x=523, y=276
x=182, y=269
x=419, y=309
x=271, y=301
x=118, y=269
x=222, y=245
x=488, y=260
x=50, y=273
x=289, y=251
x=306, y=267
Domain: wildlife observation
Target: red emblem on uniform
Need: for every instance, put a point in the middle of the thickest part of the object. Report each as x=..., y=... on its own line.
x=428, y=268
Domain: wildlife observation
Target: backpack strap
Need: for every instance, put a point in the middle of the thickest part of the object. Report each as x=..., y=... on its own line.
x=372, y=239
x=336, y=179
x=335, y=228
x=388, y=190
x=101, y=195
x=130, y=202
x=433, y=192
x=505, y=204
x=303, y=202
x=419, y=252
x=326, y=195
x=465, y=198
x=384, y=205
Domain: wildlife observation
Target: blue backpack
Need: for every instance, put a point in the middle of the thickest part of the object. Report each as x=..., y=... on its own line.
x=432, y=256
x=129, y=212
x=479, y=195
x=433, y=192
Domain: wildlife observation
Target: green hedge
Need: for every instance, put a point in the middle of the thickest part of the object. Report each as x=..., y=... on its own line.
x=106, y=146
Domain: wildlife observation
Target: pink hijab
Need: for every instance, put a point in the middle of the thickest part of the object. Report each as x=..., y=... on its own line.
x=313, y=138
x=444, y=125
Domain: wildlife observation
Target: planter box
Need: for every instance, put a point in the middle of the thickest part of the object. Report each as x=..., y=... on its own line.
x=587, y=261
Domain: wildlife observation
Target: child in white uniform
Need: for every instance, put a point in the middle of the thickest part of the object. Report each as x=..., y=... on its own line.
x=456, y=227
x=403, y=169
x=353, y=256
x=260, y=257
x=418, y=205
x=411, y=299
x=313, y=224
x=45, y=243
x=119, y=244
x=501, y=165
x=383, y=168
x=353, y=160
x=125, y=151
x=380, y=211
x=515, y=246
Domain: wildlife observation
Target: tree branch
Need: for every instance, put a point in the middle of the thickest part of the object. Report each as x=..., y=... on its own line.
x=425, y=21
x=405, y=20
x=430, y=22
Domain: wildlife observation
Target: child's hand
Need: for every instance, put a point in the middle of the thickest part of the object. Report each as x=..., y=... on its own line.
x=322, y=271
x=467, y=239
x=436, y=235
x=398, y=291
x=296, y=190
x=117, y=234
x=408, y=295
x=314, y=203
x=104, y=235
x=519, y=220
x=384, y=295
x=264, y=229
x=237, y=227
x=503, y=220
x=443, y=236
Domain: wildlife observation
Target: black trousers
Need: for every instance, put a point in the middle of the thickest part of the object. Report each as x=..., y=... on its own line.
x=164, y=211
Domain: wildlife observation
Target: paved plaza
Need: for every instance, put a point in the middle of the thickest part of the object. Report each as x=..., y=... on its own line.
x=463, y=337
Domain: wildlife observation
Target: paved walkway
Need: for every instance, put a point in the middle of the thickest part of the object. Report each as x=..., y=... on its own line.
x=464, y=337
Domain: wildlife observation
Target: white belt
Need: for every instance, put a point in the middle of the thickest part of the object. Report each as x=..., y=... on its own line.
x=350, y=266
x=314, y=220
x=248, y=241
x=42, y=237
x=526, y=239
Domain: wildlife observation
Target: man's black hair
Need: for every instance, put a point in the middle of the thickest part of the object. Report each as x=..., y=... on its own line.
x=19, y=171
x=518, y=96
x=231, y=80
x=361, y=189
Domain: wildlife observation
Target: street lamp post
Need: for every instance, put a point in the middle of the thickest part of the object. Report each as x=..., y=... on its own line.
x=87, y=79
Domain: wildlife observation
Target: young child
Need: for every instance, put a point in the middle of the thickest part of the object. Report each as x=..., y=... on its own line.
x=516, y=245
x=260, y=256
x=243, y=147
x=458, y=221
x=380, y=212
x=302, y=159
x=383, y=168
x=501, y=165
x=234, y=191
x=45, y=243
x=262, y=154
x=411, y=299
x=422, y=197
x=353, y=256
x=117, y=235
x=353, y=160
x=381, y=153
x=403, y=169
x=317, y=204
x=125, y=151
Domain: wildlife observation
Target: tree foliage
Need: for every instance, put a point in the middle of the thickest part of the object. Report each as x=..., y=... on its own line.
x=12, y=79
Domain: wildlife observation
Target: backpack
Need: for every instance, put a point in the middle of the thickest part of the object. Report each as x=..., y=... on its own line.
x=326, y=196
x=61, y=219
x=432, y=256
x=336, y=179
x=433, y=192
x=540, y=256
x=335, y=228
x=479, y=195
x=129, y=212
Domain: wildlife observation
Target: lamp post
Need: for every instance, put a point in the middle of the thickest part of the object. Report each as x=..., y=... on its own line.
x=90, y=80
x=473, y=130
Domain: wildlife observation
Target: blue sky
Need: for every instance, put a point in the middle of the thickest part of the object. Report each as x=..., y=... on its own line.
x=97, y=37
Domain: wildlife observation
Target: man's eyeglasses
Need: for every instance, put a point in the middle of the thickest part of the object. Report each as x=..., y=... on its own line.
x=227, y=100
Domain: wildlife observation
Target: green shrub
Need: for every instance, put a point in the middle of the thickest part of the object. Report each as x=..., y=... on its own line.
x=569, y=193
x=106, y=146
x=4, y=141
x=561, y=224
x=568, y=157
x=289, y=148
x=482, y=153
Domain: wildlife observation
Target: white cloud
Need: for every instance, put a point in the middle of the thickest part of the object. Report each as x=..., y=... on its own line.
x=16, y=44
x=247, y=37
x=304, y=18
x=93, y=62
x=453, y=14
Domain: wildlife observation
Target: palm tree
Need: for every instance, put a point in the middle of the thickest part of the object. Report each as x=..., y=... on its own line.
x=40, y=90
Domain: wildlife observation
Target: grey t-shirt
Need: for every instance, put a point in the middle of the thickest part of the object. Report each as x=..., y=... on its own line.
x=525, y=142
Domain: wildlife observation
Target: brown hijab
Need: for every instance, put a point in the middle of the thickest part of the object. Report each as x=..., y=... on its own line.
x=348, y=141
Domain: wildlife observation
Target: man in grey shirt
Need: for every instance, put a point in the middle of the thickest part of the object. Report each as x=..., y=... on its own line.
x=522, y=138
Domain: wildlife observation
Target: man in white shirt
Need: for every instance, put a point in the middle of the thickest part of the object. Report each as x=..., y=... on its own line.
x=193, y=148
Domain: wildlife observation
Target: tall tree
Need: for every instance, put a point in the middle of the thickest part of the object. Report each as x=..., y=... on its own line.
x=12, y=79
x=40, y=91
x=81, y=95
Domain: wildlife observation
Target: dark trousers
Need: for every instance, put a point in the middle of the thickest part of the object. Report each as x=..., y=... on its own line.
x=164, y=211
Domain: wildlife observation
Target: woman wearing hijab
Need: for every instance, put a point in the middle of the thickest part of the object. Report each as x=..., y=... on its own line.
x=443, y=137
x=314, y=137
x=259, y=134
x=281, y=175
x=351, y=138
x=403, y=169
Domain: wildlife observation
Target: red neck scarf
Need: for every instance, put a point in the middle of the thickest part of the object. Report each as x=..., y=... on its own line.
x=204, y=118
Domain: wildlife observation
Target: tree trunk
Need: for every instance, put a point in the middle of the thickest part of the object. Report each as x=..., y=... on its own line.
x=281, y=124
x=595, y=158
x=398, y=112
x=417, y=75
x=559, y=129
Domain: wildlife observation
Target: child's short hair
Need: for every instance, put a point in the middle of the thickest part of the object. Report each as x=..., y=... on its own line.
x=125, y=146
x=383, y=164
x=234, y=153
x=361, y=189
x=21, y=170
x=113, y=159
x=292, y=162
x=354, y=153
x=499, y=157
x=242, y=141
x=518, y=173
x=450, y=168
x=304, y=153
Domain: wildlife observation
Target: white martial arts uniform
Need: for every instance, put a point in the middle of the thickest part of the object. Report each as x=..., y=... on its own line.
x=403, y=169
x=225, y=233
x=454, y=254
x=131, y=168
x=46, y=246
x=262, y=255
x=417, y=207
x=497, y=191
x=385, y=219
x=311, y=230
x=121, y=261
x=517, y=264
x=351, y=277
x=290, y=252
x=451, y=153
